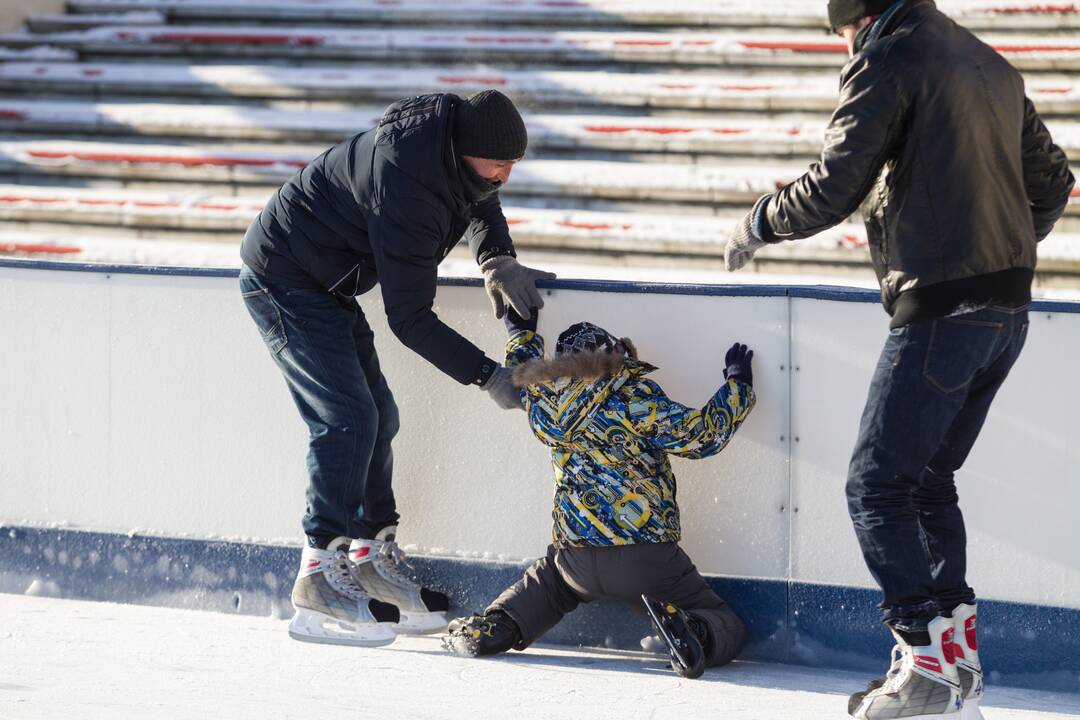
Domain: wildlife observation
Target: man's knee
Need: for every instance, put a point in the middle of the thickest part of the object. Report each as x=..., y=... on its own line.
x=389, y=419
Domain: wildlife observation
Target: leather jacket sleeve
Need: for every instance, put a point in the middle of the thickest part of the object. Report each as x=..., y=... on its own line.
x=860, y=138
x=1047, y=179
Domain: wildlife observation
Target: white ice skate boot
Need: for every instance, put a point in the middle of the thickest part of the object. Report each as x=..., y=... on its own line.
x=922, y=683
x=966, y=649
x=377, y=568
x=331, y=608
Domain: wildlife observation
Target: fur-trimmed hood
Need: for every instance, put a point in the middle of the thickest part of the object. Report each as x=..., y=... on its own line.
x=571, y=388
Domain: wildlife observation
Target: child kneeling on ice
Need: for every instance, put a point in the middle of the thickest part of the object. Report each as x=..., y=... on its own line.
x=616, y=530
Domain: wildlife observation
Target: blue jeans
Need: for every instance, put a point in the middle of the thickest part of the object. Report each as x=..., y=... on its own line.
x=928, y=399
x=324, y=347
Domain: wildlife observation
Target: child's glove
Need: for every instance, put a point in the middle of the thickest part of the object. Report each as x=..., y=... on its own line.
x=738, y=360
x=515, y=323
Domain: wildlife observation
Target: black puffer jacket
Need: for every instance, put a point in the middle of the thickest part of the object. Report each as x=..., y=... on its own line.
x=959, y=175
x=384, y=206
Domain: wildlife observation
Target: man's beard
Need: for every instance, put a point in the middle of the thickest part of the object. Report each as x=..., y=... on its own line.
x=476, y=187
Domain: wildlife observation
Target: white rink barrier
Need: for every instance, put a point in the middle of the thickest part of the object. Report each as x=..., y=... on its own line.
x=147, y=402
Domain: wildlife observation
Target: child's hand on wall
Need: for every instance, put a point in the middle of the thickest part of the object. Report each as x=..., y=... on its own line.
x=515, y=323
x=738, y=364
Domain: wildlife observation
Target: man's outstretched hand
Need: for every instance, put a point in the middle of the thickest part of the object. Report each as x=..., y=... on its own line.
x=501, y=388
x=746, y=238
x=508, y=282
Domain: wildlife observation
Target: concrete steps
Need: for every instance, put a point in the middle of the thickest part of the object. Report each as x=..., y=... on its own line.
x=346, y=86
x=268, y=165
x=644, y=49
x=693, y=137
x=168, y=216
x=976, y=14
x=690, y=136
x=652, y=127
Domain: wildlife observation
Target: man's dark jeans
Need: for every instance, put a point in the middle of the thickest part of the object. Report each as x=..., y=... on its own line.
x=325, y=349
x=930, y=394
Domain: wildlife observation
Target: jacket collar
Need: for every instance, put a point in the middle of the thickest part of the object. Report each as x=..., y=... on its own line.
x=894, y=16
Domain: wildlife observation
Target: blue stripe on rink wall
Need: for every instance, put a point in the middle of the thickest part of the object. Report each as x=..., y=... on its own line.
x=810, y=292
x=1029, y=646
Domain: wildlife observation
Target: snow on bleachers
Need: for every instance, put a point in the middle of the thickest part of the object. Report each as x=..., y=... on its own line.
x=270, y=165
x=981, y=14
x=783, y=135
x=228, y=217
x=816, y=50
x=678, y=115
x=730, y=90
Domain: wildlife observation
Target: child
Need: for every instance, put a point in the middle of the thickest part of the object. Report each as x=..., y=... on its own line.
x=616, y=531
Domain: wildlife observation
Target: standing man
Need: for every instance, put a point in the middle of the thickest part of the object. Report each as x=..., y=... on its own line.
x=961, y=181
x=383, y=207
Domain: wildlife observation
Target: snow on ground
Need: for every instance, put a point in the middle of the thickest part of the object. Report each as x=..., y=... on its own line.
x=70, y=659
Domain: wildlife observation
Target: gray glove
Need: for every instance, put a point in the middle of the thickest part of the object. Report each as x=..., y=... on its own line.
x=508, y=281
x=746, y=239
x=502, y=390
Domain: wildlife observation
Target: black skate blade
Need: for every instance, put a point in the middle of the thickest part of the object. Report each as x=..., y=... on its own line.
x=681, y=663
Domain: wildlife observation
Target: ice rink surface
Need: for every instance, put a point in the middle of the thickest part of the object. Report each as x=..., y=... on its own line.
x=68, y=660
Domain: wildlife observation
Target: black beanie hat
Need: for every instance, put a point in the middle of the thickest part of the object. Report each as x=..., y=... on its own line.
x=845, y=12
x=487, y=125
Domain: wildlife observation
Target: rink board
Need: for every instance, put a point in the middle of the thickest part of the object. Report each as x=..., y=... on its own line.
x=141, y=404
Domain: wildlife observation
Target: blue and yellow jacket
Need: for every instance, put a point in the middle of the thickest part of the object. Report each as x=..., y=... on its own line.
x=609, y=441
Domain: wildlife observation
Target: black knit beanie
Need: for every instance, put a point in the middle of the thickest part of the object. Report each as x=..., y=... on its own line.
x=487, y=125
x=845, y=12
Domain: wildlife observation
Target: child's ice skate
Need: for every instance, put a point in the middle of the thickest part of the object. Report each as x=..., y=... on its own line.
x=377, y=568
x=331, y=608
x=479, y=635
x=922, y=683
x=968, y=667
x=676, y=629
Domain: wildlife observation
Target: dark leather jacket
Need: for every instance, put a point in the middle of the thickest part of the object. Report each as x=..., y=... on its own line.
x=957, y=176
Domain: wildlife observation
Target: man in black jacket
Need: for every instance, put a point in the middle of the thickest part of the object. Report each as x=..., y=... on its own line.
x=961, y=181
x=384, y=207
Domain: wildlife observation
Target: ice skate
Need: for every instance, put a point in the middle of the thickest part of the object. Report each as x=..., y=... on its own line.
x=922, y=683
x=331, y=608
x=968, y=667
x=479, y=635
x=677, y=630
x=377, y=567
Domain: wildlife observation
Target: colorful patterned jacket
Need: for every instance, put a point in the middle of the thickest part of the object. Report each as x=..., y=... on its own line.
x=609, y=441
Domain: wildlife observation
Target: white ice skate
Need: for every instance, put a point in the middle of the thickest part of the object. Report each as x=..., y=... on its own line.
x=922, y=683
x=966, y=649
x=377, y=568
x=331, y=608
